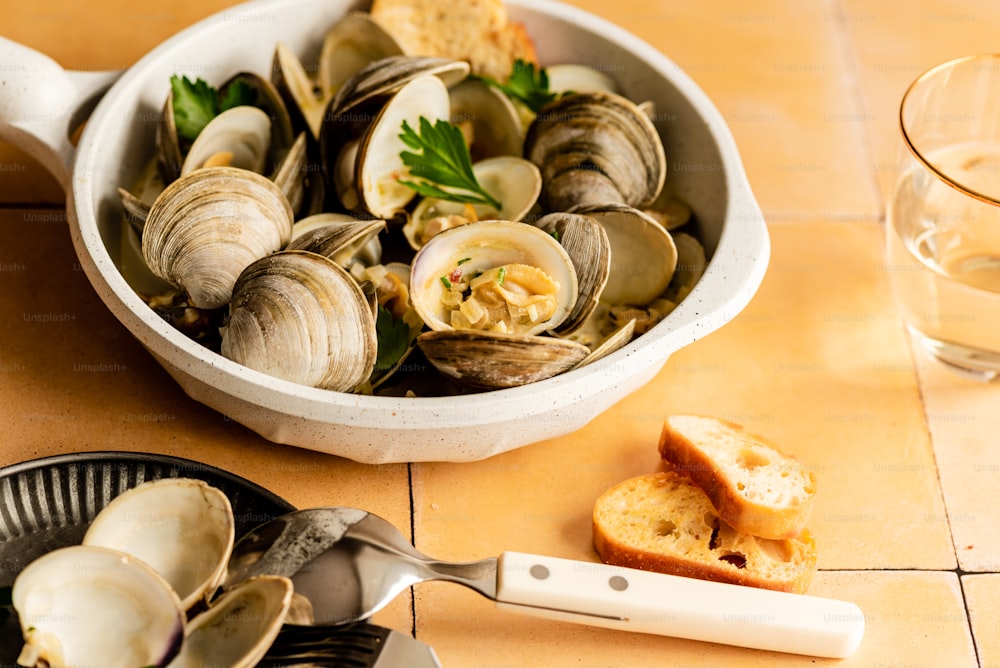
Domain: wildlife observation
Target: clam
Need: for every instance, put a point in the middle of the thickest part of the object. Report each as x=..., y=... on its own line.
x=238, y=137
x=520, y=279
x=382, y=78
x=350, y=45
x=375, y=189
x=182, y=528
x=586, y=242
x=94, y=606
x=489, y=290
x=168, y=146
x=239, y=627
x=643, y=254
x=494, y=361
x=596, y=148
x=514, y=182
x=576, y=78
x=487, y=118
x=300, y=316
x=208, y=226
x=346, y=240
x=241, y=133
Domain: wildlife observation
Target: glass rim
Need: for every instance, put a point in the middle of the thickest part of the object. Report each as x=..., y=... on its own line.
x=922, y=78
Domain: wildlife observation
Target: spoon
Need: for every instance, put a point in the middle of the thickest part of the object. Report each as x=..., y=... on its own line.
x=346, y=564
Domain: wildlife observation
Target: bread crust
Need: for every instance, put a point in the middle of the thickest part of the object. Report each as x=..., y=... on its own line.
x=477, y=31
x=681, y=452
x=625, y=533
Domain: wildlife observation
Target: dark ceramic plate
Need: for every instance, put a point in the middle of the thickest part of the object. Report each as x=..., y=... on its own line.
x=49, y=503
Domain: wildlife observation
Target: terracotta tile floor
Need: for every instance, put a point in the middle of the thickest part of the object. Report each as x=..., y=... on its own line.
x=905, y=451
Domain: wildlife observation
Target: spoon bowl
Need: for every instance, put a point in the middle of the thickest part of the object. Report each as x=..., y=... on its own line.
x=345, y=563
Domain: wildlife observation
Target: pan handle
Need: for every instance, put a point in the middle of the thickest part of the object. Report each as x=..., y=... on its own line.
x=41, y=104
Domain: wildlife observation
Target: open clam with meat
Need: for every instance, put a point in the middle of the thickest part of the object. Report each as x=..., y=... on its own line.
x=399, y=224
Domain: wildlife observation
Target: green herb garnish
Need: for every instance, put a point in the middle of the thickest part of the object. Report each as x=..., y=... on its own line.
x=526, y=85
x=501, y=274
x=463, y=261
x=443, y=162
x=393, y=339
x=196, y=103
x=445, y=282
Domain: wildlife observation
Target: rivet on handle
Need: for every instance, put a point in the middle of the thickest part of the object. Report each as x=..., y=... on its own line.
x=539, y=572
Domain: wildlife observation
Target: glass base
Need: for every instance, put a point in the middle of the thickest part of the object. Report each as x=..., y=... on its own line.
x=980, y=365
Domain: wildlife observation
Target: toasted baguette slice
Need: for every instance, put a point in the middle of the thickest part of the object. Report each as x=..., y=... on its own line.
x=755, y=488
x=477, y=31
x=663, y=522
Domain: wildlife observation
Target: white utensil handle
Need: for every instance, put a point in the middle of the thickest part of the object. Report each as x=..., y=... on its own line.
x=633, y=600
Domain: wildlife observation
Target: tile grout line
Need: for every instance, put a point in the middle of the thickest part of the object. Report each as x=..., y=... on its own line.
x=413, y=540
x=851, y=62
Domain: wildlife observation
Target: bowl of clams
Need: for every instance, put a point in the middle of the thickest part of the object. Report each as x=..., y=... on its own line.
x=395, y=234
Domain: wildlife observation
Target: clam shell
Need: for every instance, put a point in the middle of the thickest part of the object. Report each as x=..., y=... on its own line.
x=168, y=149
x=239, y=627
x=353, y=43
x=482, y=246
x=301, y=317
x=206, y=227
x=382, y=78
x=242, y=132
x=296, y=88
x=344, y=239
x=595, y=148
x=587, y=244
x=514, y=181
x=577, y=78
x=379, y=165
x=182, y=528
x=93, y=606
x=494, y=124
x=643, y=254
x=487, y=360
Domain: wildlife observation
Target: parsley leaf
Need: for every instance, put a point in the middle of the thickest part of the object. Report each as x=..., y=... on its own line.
x=195, y=104
x=443, y=164
x=236, y=94
x=393, y=339
x=526, y=85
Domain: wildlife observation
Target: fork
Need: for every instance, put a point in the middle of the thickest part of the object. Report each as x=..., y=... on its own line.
x=354, y=645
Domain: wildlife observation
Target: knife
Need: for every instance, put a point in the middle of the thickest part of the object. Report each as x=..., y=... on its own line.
x=356, y=644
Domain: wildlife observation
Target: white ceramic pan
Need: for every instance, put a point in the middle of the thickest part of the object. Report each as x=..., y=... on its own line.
x=40, y=102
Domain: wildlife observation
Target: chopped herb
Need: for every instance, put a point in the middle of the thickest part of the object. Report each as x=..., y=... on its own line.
x=445, y=282
x=443, y=162
x=463, y=261
x=393, y=339
x=555, y=234
x=501, y=274
x=196, y=103
x=526, y=85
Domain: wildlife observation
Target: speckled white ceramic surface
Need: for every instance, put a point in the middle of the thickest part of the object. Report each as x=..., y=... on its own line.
x=704, y=169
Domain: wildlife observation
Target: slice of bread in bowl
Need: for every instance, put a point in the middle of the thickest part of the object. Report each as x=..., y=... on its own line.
x=477, y=31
